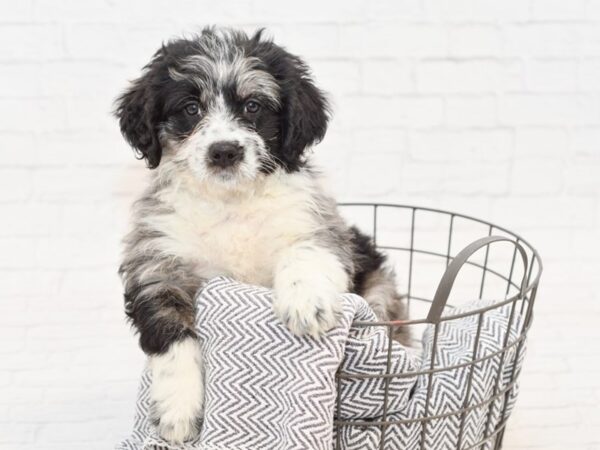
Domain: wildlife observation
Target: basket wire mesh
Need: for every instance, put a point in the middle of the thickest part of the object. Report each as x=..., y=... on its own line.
x=445, y=239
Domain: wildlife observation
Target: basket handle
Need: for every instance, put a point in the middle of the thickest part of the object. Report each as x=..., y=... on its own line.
x=447, y=281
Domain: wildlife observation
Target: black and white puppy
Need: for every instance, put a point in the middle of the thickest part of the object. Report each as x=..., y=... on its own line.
x=226, y=120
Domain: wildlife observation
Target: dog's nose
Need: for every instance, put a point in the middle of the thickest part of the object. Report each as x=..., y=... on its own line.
x=225, y=153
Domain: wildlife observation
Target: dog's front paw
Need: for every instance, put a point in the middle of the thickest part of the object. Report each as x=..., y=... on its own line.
x=307, y=308
x=177, y=428
x=177, y=391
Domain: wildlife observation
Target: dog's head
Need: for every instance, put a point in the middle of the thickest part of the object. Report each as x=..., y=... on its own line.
x=225, y=106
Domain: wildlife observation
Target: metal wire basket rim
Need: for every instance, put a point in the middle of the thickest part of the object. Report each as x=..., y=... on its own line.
x=455, y=261
x=517, y=237
x=532, y=283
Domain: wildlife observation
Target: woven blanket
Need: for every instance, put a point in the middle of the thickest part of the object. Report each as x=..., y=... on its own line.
x=268, y=389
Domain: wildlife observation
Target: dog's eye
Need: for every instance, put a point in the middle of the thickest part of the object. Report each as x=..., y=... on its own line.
x=252, y=106
x=192, y=108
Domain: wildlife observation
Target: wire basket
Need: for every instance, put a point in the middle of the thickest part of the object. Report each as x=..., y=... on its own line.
x=430, y=247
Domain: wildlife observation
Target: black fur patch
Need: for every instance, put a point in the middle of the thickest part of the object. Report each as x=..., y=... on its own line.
x=165, y=317
x=305, y=110
x=153, y=104
x=367, y=259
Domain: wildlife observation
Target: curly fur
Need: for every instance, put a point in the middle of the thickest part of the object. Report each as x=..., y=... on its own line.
x=226, y=119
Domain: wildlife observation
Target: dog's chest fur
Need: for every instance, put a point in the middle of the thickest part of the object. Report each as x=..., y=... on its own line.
x=243, y=235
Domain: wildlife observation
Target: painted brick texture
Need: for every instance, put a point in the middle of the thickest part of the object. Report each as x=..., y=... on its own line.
x=487, y=107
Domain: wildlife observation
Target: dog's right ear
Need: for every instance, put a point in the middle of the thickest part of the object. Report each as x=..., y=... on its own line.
x=139, y=115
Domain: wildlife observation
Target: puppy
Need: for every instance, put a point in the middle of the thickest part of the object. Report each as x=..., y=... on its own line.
x=226, y=121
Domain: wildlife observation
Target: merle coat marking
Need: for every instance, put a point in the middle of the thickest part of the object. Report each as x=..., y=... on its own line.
x=226, y=121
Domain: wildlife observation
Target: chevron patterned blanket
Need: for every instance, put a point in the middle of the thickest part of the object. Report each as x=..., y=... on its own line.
x=268, y=389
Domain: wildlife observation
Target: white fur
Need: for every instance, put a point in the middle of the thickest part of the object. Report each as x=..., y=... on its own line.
x=308, y=281
x=241, y=233
x=268, y=230
x=219, y=125
x=177, y=390
x=261, y=233
x=245, y=70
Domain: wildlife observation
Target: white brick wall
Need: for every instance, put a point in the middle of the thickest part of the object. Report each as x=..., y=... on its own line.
x=490, y=107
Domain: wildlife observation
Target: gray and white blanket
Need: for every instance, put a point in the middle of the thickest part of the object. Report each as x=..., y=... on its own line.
x=268, y=389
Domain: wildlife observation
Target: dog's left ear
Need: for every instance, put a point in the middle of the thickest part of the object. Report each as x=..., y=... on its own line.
x=305, y=113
